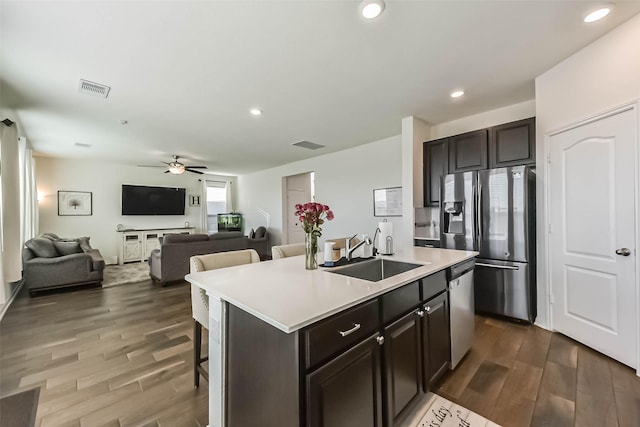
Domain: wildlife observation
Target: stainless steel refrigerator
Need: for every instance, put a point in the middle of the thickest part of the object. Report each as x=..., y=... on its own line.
x=493, y=212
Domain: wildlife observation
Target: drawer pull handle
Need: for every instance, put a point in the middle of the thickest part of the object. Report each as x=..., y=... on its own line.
x=420, y=313
x=380, y=340
x=356, y=326
x=428, y=309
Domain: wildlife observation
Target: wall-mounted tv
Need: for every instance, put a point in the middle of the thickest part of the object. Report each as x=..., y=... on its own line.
x=144, y=200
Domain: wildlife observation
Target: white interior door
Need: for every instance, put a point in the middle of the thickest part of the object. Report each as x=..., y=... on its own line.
x=299, y=190
x=592, y=209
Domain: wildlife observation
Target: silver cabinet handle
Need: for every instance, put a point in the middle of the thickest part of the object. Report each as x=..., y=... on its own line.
x=503, y=267
x=420, y=313
x=427, y=309
x=380, y=340
x=623, y=252
x=356, y=326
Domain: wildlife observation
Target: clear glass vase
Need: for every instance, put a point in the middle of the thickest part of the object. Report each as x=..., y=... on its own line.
x=310, y=251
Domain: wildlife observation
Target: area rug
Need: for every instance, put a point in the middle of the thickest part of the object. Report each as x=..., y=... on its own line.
x=19, y=410
x=115, y=275
x=439, y=411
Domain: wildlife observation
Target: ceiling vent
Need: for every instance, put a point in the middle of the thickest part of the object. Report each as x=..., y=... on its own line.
x=95, y=89
x=308, y=144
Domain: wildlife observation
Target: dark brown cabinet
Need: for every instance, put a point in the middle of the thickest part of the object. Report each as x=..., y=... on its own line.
x=426, y=243
x=435, y=165
x=347, y=391
x=512, y=144
x=468, y=151
x=435, y=338
x=365, y=366
x=509, y=144
x=403, y=365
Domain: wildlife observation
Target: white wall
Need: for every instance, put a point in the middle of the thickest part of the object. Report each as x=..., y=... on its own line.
x=414, y=133
x=603, y=75
x=344, y=180
x=104, y=180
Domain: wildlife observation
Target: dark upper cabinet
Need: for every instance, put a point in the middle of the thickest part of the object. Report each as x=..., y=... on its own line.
x=435, y=339
x=468, y=151
x=403, y=366
x=435, y=165
x=512, y=144
x=509, y=144
x=347, y=391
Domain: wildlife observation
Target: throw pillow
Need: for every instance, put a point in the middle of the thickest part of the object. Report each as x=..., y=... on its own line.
x=260, y=232
x=50, y=236
x=84, y=244
x=68, y=248
x=42, y=247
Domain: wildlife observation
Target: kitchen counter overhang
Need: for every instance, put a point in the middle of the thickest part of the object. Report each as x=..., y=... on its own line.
x=285, y=295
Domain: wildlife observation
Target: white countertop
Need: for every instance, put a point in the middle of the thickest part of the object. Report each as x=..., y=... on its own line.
x=285, y=295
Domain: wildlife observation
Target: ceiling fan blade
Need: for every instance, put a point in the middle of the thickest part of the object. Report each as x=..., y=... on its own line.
x=166, y=171
x=194, y=171
x=149, y=166
x=195, y=167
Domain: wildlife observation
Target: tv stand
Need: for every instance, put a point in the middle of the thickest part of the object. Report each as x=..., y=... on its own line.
x=136, y=244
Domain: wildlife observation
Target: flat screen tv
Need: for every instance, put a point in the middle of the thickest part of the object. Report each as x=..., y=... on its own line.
x=143, y=200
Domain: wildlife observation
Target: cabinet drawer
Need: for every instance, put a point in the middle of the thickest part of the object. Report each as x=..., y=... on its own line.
x=338, y=332
x=434, y=284
x=398, y=302
x=426, y=243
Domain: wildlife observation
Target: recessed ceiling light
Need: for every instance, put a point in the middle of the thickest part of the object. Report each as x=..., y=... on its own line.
x=256, y=111
x=597, y=14
x=457, y=93
x=371, y=8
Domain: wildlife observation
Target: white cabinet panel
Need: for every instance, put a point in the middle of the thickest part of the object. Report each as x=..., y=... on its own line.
x=137, y=245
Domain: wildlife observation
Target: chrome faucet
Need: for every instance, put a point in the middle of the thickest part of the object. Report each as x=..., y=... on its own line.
x=348, y=249
x=374, y=251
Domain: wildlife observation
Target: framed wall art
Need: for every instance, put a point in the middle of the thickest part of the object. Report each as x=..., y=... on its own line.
x=387, y=201
x=71, y=203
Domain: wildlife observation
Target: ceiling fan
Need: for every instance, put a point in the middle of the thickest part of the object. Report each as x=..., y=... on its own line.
x=178, y=168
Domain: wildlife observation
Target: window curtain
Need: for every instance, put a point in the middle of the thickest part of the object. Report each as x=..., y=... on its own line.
x=11, y=247
x=28, y=193
x=204, y=221
x=227, y=186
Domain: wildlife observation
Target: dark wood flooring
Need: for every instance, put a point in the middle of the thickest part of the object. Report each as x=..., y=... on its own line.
x=519, y=375
x=121, y=356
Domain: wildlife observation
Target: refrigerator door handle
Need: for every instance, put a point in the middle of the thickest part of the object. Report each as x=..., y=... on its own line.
x=479, y=214
x=502, y=267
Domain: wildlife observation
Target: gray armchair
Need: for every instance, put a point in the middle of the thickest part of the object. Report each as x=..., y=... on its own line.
x=51, y=262
x=259, y=241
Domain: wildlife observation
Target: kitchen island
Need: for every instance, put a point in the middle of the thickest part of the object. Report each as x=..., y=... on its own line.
x=273, y=346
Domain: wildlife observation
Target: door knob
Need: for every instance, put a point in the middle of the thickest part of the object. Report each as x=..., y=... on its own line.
x=623, y=252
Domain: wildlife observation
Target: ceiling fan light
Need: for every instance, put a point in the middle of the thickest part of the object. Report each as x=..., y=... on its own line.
x=176, y=168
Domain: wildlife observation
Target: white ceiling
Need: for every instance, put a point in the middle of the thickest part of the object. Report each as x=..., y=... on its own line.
x=185, y=73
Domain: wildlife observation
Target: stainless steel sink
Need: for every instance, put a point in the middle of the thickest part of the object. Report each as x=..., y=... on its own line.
x=376, y=269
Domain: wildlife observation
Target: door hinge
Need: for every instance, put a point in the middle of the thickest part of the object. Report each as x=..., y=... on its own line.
x=551, y=300
x=549, y=158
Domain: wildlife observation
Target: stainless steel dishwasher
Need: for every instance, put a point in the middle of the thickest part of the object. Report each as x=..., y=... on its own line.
x=462, y=309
